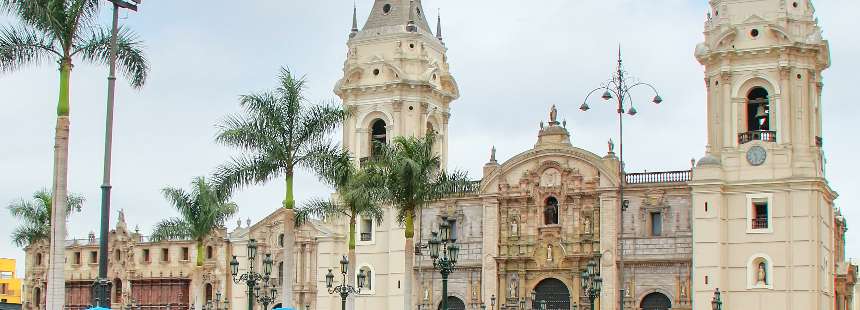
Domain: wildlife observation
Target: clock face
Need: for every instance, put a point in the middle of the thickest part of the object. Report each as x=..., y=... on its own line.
x=756, y=155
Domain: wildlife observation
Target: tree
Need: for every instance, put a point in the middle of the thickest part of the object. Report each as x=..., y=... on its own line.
x=61, y=30
x=34, y=217
x=279, y=132
x=201, y=211
x=412, y=177
x=357, y=195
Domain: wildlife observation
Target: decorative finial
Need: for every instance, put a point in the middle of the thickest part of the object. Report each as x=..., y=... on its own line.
x=541, y=124
x=493, y=154
x=354, y=30
x=439, y=25
x=410, y=27
x=564, y=123
x=248, y=222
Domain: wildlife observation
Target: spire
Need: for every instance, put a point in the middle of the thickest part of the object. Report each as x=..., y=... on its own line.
x=354, y=30
x=439, y=26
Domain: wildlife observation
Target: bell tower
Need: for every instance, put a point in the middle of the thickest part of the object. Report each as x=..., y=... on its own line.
x=396, y=79
x=762, y=207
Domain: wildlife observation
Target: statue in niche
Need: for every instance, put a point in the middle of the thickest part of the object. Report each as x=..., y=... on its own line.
x=683, y=290
x=514, y=228
x=761, y=275
x=550, y=177
x=426, y=294
x=549, y=252
x=586, y=225
x=513, y=286
x=550, y=211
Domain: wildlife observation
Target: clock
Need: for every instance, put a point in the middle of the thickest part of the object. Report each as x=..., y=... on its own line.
x=756, y=155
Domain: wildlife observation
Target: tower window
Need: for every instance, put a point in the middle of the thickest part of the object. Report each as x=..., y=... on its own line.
x=758, y=110
x=754, y=33
x=378, y=135
x=794, y=4
x=375, y=71
x=386, y=8
x=760, y=214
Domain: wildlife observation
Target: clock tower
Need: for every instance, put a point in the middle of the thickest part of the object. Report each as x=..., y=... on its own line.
x=762, y=208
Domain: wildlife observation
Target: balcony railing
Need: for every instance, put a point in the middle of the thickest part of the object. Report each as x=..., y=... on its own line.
x=659, y=177
x=759, y=223
x=459, y=190
x=757, y=135
x=366, y=236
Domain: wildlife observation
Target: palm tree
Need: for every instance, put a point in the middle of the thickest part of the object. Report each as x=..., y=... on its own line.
x=61, y=30
x=34, y=217
x=357, y=196
x=201, y=211
x=413, y=177
x=280, y=133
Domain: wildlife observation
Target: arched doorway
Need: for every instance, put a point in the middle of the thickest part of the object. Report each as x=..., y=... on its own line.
x=656, y=301
x=378, y=136
x=454, y=303
x=554, y=292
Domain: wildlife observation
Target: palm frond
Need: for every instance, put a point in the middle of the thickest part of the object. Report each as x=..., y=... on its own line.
x=29, y=233
x=96, y=47
x=318, y=208
x=171, y=229
x=246, y=170
x=317, y=121
x=22, y=46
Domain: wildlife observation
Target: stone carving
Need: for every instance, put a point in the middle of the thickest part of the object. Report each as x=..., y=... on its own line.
x=611, y=146
x=550, y=177
x=553, y=115
x=514, y=228
x=549, y=252
x=587, y=227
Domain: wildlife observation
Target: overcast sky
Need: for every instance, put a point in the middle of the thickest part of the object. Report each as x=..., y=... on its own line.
x=512, y=59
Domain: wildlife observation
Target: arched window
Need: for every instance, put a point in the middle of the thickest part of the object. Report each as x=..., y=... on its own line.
x=38, y=259
x=117, y=290
x=208, y=292
x=550, y=211
x=281, y=240
x=758, y=110
x=37, y=297
x=368, y=282
x=378, y=135
x=209, y=252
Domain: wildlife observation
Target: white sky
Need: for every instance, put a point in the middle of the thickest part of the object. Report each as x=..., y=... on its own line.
x=512, y=59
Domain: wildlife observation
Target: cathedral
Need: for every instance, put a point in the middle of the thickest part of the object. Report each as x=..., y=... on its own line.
x=752, y=221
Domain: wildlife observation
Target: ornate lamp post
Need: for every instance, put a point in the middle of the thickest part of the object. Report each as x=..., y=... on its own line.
x=619, y=87
x=717, y=302
x=344, y=289
x=251, y=278
x=591, y=282
x=444, y=251
x=217, y=303
x=102, y=285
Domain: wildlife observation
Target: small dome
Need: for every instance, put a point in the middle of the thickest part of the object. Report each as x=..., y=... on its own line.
x=708, y=160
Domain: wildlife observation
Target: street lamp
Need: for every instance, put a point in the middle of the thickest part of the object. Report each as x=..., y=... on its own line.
x=344, y=289
x=254, y=279
x=591, y=282
x=717, y=303
x=444, y=242
x=102, y=285
x=619, y=87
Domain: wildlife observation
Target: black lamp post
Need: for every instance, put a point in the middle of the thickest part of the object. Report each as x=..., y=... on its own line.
x=717, y=302
x=102, y=285
x=344, y=289
x=217, y=303
x=251, y=278
x=444, y=251
x=619, y=87
x=591, y=282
